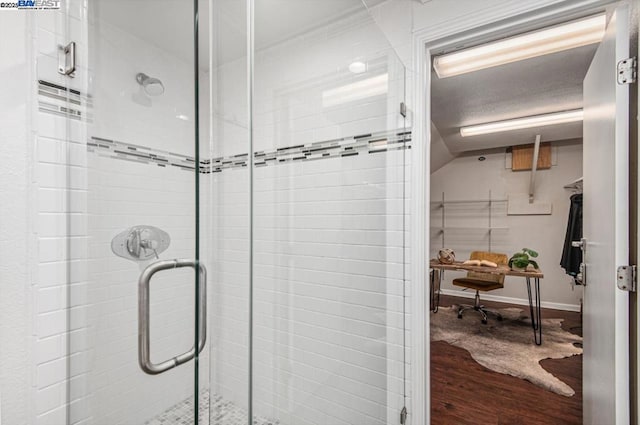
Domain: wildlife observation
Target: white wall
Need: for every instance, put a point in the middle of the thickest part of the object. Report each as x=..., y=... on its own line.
x=328, y=286
x=328, y=236
x=15, y=218
x=440, y=154
x=467, y=178
x=137, y=194
x=290, y=80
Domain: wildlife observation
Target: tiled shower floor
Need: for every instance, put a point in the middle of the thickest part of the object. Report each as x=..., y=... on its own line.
x=224, y=413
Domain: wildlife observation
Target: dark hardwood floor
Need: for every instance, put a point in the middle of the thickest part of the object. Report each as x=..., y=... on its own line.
x=463, y=392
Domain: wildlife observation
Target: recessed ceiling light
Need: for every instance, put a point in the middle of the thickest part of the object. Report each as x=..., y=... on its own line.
x=358, y=67
x=523, y=122
x=182, y=117
x=549, y=40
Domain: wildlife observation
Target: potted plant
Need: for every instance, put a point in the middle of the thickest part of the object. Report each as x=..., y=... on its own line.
x=521, y=260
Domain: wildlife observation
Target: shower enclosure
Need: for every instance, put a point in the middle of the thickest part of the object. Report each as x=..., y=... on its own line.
x=251, y=160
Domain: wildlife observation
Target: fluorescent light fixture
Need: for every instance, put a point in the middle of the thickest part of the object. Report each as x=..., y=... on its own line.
x=521, y=123
x=549, y=40
x=356, y=91
x=358, y=67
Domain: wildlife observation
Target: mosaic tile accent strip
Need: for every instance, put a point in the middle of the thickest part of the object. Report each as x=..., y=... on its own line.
x=142, y=154
x=58, y=100
x=338, y=148
x=224, y=413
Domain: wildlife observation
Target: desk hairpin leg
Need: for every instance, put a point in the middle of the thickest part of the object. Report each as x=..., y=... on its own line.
x=536, y=316
x=436, y=278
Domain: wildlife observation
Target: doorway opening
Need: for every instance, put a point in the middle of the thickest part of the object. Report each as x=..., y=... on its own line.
x=515, y=170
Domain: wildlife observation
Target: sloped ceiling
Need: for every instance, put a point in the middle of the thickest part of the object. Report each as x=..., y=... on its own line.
x=534, y=86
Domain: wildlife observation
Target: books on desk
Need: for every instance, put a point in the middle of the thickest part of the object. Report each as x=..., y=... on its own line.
x=484, y=263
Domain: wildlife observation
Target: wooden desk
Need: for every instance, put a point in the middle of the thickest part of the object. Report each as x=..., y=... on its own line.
x=437, y=273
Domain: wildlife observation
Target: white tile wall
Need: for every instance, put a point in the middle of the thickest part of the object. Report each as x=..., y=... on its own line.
x=100, y=305
x=138, y=194
x=290, y=79
x=327, y=289
x=328, y=284
x=328, y=238
x=86, y=299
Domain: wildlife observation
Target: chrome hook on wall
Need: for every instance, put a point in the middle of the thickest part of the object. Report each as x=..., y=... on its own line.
x=140, y=243
x=67, y=59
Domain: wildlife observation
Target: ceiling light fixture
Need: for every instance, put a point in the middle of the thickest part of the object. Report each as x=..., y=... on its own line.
x=358, y=67
x=523, y=122
x=549, y=40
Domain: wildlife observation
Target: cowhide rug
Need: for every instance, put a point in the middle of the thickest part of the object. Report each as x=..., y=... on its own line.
x=507, y=346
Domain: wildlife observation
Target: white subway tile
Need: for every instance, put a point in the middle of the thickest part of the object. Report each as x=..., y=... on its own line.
x=51, y=373
x=50, y=398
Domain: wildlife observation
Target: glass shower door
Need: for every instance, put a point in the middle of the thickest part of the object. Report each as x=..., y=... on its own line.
x=309, y=200
x=137, y=328
x=292, y=193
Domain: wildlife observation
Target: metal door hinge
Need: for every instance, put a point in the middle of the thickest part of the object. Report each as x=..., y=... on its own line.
x=403, y=109
x=403, y=416
x=581, y=278
x=627, y=71
x=627, y=278
x=67, y=59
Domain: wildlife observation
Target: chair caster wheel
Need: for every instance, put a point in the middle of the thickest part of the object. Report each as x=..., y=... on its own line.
x=459, y=316
x=484, y=321
x=500, y=318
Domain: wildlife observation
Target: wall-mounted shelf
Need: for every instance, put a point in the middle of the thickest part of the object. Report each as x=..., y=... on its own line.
x=485, y=229
x=489, y=228
x=468, y=201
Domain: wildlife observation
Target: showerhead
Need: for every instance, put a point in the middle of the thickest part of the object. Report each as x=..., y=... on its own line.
x=152, y=86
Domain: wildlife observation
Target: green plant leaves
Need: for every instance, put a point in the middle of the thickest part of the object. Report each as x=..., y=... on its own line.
x=520, y=262
x=521, y=259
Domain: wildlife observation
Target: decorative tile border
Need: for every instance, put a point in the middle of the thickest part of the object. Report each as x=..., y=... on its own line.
x=58, y=100
x=338, y=148
x=62, y=101
x=142, y=154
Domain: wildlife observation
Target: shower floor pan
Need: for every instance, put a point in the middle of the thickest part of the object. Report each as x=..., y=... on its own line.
x=224, y=413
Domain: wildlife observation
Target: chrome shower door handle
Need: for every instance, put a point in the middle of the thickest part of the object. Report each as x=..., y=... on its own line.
x=144, y=353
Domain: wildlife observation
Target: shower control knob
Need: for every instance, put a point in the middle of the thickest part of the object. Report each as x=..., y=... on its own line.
x=140, y=243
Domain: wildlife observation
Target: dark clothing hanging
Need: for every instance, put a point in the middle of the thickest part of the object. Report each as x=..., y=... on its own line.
x=572, y=257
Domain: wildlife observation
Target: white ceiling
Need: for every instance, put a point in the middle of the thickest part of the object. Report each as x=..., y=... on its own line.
x=534, y=86
x=168, y=24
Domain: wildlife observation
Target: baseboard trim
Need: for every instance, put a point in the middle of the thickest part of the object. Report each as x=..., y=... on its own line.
x=510, y=300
